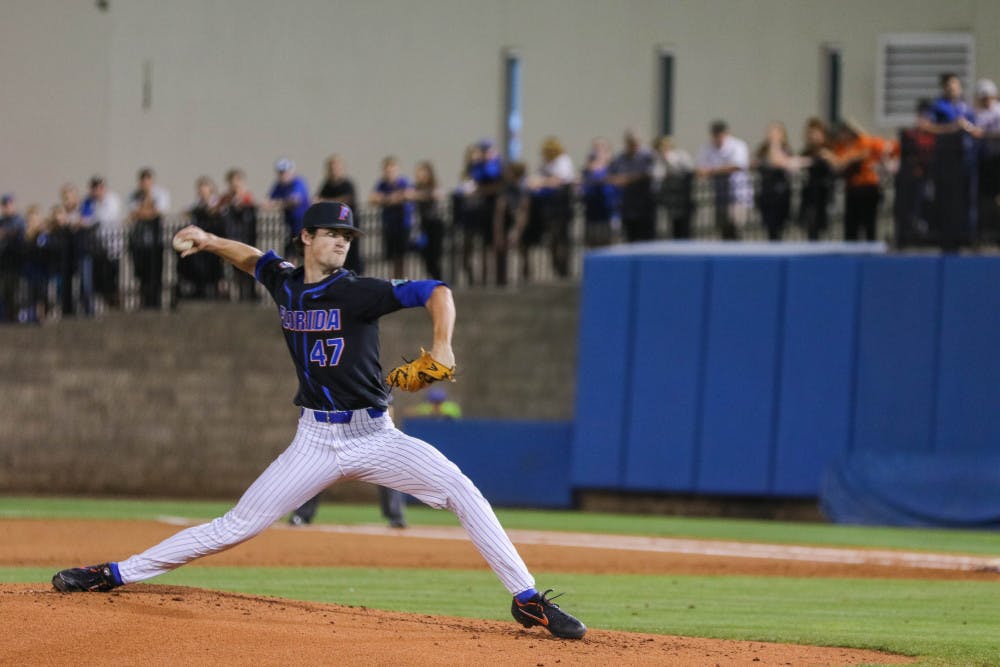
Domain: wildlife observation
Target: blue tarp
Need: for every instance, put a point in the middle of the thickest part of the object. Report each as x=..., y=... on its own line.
x=908, y=489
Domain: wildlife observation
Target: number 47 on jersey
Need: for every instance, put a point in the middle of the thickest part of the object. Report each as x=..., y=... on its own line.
x=327, y=351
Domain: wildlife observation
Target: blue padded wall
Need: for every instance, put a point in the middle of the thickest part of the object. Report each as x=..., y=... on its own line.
x=661, y=444
x=897, y=353
x=738, y=400
x=967, y=415
x=522, y=464
x=751, y=370
x=816, y=379
x=604, y=372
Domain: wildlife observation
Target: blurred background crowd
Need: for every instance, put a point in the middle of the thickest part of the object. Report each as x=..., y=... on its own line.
x=501, y=223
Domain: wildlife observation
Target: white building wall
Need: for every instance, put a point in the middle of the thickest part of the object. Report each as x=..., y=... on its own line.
x=241, y=82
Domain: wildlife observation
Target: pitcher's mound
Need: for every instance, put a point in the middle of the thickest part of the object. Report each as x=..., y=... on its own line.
x=147, y=624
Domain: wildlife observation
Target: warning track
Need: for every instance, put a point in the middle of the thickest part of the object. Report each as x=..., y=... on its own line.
x=716, y=548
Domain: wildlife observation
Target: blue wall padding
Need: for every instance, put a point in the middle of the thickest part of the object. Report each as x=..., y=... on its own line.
x=968, y=397
x=662, y=428
x=815, y=389
x=603, y=372
x=914, y=489
x=897, y=353
x=738, y=401
x=522, y=464
x=730, y=371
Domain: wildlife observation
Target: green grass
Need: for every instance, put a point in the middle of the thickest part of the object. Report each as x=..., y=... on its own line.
x=960, y=541
x=945, y=622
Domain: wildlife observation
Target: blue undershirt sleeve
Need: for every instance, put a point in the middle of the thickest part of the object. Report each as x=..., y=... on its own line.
x=414, y=293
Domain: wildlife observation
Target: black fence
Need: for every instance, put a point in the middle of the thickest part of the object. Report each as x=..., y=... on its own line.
x=946, y=193
x=137, y=268
x=470, y=260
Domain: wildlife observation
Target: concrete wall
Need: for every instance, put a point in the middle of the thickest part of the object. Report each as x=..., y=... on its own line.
x=198, y=402
x=244, y=81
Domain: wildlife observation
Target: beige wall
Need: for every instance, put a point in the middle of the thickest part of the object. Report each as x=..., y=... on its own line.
x=244, y=81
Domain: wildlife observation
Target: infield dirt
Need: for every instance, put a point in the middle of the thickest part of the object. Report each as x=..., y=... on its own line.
x=159, y=625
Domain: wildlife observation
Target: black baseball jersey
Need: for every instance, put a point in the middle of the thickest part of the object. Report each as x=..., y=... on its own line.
x=331, y=328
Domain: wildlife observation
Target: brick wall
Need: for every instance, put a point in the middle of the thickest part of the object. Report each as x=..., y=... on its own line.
x=197, y=402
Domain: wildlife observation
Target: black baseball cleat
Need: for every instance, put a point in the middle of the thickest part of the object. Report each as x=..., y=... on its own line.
x=540, y=610
x=91, y=578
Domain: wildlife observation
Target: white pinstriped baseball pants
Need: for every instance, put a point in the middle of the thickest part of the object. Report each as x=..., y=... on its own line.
x=367, y=449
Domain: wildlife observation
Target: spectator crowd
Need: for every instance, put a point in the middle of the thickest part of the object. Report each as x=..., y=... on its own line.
x=64, y=260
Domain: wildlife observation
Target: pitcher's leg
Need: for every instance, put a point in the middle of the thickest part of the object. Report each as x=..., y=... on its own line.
x=412, y=466
x=298, y=474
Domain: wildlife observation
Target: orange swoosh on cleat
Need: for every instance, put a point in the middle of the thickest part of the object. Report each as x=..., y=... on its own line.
x=543, y=619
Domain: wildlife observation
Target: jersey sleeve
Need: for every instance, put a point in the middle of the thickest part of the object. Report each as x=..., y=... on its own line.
x=384, y=296
x=413, y=293
x=272, y=271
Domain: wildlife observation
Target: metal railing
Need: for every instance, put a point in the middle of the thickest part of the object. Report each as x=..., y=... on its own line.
x=466, y=259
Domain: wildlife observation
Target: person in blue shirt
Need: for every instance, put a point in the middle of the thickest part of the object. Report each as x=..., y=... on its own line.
x=290, y=193
x=393, y=193
x=949, y=112
x=600, y=196
x=486, y=173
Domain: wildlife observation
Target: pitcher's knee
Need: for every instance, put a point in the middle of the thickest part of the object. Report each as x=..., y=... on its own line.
x=464, y=493
x=233, y=528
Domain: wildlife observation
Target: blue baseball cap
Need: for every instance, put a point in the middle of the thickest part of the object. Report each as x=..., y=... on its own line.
x=283, y=165
x=436, y=395
x=6, y=199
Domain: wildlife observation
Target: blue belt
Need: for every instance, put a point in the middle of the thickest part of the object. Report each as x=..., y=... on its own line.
x=342, y=416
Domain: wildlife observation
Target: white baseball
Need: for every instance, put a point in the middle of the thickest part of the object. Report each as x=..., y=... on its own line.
x=180, y=245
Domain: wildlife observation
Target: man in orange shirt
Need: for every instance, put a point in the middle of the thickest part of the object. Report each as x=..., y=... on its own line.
x=857, y=156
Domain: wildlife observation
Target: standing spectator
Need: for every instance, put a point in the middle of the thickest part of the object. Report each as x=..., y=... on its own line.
x=511, y=218
x=12, y=229
x=486, y=172
x=239, y=215
x=37, y=265
x=102, y=210
x=914, y=197
x=147, y=206
x=338, y=187
x=61, y=255
x=427, y=197
x=774, y=160
x=67, y=224
x=461, y=209
x=632, y=172
x=146, y=246
x=600, y=196
x=724, y=161
x=856, y=157
x=673, y=183
x=393, y=194
x=554, y=186
x=817, y=190
x=949, y=112
x=147, y=188
x=987, y=111
x=988, y=123
x=200, y=275
x=290, y=193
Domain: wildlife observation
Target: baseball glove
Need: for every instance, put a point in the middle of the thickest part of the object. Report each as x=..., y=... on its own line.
x=419, y=373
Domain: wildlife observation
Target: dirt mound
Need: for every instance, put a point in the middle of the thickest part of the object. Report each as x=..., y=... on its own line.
x=169, y=625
